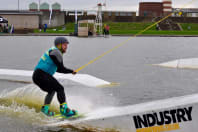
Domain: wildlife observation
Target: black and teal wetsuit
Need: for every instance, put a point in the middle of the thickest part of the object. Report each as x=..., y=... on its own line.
x=49, y=63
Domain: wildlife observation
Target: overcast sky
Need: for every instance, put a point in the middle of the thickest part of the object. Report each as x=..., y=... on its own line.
x=122, y=5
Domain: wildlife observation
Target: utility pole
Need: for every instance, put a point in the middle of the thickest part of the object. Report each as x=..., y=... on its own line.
x=18, y=5
x=39, y=5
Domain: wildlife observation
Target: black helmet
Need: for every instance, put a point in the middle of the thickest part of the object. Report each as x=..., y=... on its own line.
x=60, y=40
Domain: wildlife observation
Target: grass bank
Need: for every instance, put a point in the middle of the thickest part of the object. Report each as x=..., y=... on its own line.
x=129, y=28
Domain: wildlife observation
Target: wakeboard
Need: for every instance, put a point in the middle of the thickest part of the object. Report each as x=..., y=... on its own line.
x=74, y=117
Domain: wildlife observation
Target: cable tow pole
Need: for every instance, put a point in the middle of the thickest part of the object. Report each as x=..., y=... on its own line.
x=124, y=42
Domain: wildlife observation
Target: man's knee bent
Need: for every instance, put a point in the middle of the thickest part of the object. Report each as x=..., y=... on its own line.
x=59, y=88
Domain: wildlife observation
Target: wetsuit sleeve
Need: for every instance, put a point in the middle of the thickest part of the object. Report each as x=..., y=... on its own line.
x=57, y=58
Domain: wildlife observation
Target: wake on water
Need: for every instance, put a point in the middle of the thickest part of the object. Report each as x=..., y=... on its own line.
x=32, y=97
x=24, y=103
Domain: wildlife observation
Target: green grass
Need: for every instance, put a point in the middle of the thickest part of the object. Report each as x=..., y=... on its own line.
x=153, y=32
x=69, y=28
x=53, y=31
x=130, y=28
x=171, y=32
x=134, y=28
x=193, y=26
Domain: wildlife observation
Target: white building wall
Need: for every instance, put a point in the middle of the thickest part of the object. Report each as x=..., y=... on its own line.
x=23, y=21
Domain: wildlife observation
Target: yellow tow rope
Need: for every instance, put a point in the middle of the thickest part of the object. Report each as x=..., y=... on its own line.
x=124, y=42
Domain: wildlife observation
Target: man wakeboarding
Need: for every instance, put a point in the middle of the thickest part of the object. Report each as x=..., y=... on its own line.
x=49, y=63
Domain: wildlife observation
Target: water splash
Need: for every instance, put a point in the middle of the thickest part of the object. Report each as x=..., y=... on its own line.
x=23, y=112
x=29, y=95
x=24, y=104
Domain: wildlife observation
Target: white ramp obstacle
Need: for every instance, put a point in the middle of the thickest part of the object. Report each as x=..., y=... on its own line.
x=190, y=63
x=179, y=114
x=85, y=79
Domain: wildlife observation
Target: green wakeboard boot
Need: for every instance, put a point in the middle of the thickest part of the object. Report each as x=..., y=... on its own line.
x=65, y=111
x=45, y=110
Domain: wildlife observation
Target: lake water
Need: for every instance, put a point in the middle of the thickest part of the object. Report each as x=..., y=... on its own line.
x=129, y=65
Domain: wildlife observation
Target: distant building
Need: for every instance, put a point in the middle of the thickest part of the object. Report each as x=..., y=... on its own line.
x=155, y=9
x=118, y=15
x=44, y=7
x=33, y=6
x=167, y=7
x=106, y=15
x=22, y=19
x=56, y=7
x=150, y=9
x=185, y=12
